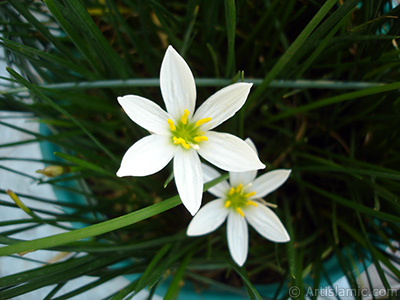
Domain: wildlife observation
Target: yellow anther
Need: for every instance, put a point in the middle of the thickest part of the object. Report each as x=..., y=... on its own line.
x=227, y=203
x=248, y=195
x=181, y=141
x=200, y=138
x=249, y=202
x=202, y=121
x=240, y=211
x=185, y=116
x=231, y=191
x=239, y=188
x=171, y=125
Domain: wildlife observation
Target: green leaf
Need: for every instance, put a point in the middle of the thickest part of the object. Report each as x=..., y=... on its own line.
x=81, y=44
x=294, y=47
x=53, y=104
x=252, y=291
x=150, y=276
x=93, y=230
x=78, y=13
x=33, y=54
x=174, y=287
x=84, y=164
x=337, y=99
x=22, y=9
x=353, y=205
x=230, y=18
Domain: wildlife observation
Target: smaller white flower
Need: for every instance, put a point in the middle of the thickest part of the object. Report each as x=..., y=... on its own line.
x=240, y=202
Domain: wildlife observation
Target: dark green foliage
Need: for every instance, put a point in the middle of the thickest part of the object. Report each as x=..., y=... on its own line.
x=325, y=103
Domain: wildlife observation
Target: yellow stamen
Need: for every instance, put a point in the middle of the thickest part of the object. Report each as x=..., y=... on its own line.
x=171, y=125
x=249, y=202
x=200, y=138
x=227, y=203
x=239, y=188
x=240, y=211
x=185, y=116
x=181, y=141
x=202, y=121
x=248, y=195
x=231, y=191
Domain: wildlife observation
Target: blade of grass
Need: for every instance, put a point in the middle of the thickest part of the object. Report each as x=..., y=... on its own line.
x=174, y=287
x=100, y=228
x=285, y=58
x=336, y=99
x=100, y=45
x=230, y=20
x=252, y=291
x=32, y=53
x=374, y=257
x=84, y=164
x=356, y=206
x=150, y=276
x=22, y=9
x=60, y=109
x=81, y=44
x=93, y=230
x=52, y=278
x=322, y=45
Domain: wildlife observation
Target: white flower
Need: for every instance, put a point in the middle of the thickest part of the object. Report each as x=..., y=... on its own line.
x=183, y=134
x=240, y=202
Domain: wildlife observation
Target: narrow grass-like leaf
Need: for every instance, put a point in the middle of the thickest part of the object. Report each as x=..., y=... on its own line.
x=22, y=9
x=173, y=288
x=42, y=96
x=323, y=44
x=353, y=205
x=290, y=245
x=284, y=60
x=93, y=230
x=252, y=291
x=100, y=44
x=65, y=274
x=150, y=276
x=374, y=258
x=80, y=43
x=32, y=53
x=120, y=295
x=84, y=164
x=230, y=20
x=337, y=99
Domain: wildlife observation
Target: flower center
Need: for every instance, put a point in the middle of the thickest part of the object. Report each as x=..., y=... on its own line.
x=237, y=198
x=187, y=134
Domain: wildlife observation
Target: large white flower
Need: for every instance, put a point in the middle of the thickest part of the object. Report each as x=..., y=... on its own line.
x=182, y=134
x=240, y=201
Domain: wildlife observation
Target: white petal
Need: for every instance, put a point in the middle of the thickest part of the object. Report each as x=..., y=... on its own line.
x=269, y=182
x=223, y=104
x=177, y=84
x=146, y=113
x=251, y=144
x=188, y=178
x=238, y=237
x=208, y=218
x=236, y=178
x=228, y=152
x=266, y=223
x=147, y=156
x=221, y=189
